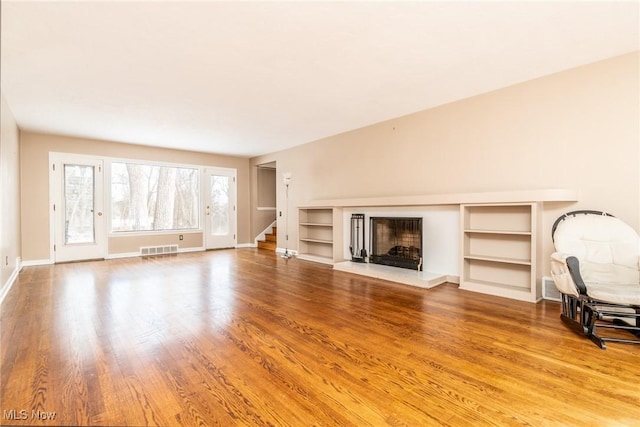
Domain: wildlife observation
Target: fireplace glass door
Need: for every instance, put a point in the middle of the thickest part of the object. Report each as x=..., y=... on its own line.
x=396, y=242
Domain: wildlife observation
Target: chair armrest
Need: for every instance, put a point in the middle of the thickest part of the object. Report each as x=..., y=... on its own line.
x=565, y=271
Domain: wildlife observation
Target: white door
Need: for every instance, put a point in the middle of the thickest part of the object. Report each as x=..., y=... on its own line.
x=220, y=208
x=78, y=216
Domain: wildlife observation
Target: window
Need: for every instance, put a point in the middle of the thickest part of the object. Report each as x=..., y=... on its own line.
x=154, y=198
x=78, y=202
x=220, y=205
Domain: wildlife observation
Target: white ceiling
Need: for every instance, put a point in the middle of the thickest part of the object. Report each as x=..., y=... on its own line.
x=249, y=78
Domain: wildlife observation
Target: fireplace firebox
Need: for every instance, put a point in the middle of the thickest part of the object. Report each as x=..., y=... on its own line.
x=396, y=242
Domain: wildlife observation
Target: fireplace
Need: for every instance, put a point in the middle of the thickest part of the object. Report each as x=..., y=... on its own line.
x=396, y=242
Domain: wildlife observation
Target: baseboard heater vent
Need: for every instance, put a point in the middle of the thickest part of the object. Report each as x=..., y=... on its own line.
x=158, y=250
x=549, y=290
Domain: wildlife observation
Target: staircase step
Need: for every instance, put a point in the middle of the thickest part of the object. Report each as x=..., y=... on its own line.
x=270, y=240
x=266, y=245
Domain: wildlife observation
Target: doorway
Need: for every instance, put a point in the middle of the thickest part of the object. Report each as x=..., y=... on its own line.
x=220, y=208
x=78, y=215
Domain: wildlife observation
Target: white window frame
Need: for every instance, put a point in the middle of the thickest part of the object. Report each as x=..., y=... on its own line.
x=107, y=166
x=107, y=162
x=110, y=160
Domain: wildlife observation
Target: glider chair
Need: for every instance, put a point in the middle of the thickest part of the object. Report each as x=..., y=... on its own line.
x=596, y=268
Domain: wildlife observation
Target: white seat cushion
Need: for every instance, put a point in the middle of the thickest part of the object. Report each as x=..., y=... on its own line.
x=625, y=294
x=608, y=249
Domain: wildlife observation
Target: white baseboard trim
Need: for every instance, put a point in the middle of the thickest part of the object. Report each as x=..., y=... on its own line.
x=198, y=249
x=12, y=279
x=36, y=262
x=283, y=250
x=135, y=254
x=247, y=245
x=122, y=255
x=453, y=279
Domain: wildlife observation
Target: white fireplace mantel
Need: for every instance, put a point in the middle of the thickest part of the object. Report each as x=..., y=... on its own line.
x=516, y=196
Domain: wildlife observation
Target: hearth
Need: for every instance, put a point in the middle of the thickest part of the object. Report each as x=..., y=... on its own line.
x=396, y=242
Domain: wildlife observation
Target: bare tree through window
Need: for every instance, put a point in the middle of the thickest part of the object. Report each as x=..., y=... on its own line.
x=220, y=205
x=78, y=195
x=152, y=197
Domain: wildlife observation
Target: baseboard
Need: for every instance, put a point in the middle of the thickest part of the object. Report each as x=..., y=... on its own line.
x=185, y=250
x=283, y=250
x=453, y=279
x=135, y=254
x=12, y=279
x=122, y=255
x=36, y=262
x=247, y=245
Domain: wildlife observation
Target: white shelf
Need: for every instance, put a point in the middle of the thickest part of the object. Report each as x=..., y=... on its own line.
x=501, y=285
x=499, y=251
x=498, y=259
x=499, y=289
x=320, y=234
x=517, y=233
x=306, y=239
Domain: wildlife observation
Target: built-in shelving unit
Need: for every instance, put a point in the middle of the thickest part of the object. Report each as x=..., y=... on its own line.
x=498, y=243
x=499, y=249
x=320, y=234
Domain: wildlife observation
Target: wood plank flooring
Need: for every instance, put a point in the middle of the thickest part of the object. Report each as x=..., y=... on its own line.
x=243, y=337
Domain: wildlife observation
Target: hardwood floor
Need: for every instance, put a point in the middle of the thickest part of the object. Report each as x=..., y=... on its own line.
x=243, y=337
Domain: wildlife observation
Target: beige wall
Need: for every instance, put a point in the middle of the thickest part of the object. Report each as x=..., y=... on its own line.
x=10, y=244
x=575, y=129
x=263, y=195
x=266, y=187
x=35, y=149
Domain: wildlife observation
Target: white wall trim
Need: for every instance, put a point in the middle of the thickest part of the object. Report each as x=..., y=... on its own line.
x=282, y=250
x=12, y=279
x=122, y=255
x=137, y=254
x=36, y=262
x=453, y=279
x=196, y=249
x=246, y=245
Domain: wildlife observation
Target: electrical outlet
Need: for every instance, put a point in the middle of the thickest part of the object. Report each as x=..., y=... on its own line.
x=181, y=237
